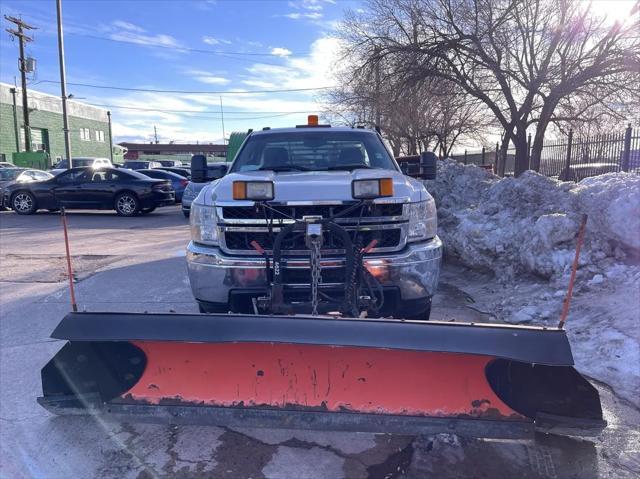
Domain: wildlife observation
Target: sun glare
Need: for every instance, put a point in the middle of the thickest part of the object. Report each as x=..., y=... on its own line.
x=614, y=10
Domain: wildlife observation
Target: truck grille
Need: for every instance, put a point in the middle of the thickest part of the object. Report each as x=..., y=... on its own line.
x=298, y=212
x=236, y=240
x=243, y=224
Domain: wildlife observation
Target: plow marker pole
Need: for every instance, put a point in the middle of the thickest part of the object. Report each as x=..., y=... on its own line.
x=572, y=279
x=69, y=268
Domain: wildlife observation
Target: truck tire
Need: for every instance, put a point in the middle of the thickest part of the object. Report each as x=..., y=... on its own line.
x=212, y=308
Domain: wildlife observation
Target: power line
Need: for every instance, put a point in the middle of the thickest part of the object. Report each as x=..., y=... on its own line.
x=197, y=111
x=208, y=117
x=199, y=92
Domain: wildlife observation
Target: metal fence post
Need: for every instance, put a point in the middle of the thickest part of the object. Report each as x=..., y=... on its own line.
x=465, y=157
x=529, y=152
x=569, y=142
x=626, y=152
x=483, y=156
x=495, y=159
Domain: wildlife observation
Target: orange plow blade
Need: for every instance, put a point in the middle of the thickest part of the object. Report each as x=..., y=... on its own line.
x=321, y=373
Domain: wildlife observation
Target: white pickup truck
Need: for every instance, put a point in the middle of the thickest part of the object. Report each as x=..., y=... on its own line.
x=314, y=215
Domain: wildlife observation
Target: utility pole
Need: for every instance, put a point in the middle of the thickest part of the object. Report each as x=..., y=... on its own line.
x=224, y=137
x=155, y=133
x=63, y=88
x=22, y=39
x=15, y=118
x=110, y=137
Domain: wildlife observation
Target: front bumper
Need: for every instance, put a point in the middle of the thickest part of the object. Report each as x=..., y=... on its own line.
x=214, y=275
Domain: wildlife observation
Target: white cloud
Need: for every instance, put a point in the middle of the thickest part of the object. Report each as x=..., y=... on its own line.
x=205, y=5
x=128, y=32
x=281, y=52
x=212, y=80
x=298, y=15
x=259, y=84
x=127, y=26
x=215, y=41
x=207, y=77
x=197, y=118
x=150, y=40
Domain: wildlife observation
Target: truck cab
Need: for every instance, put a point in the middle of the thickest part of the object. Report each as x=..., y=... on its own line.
x=314, y=174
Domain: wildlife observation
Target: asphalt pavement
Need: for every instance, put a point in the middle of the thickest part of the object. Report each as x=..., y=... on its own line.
x=137, y=264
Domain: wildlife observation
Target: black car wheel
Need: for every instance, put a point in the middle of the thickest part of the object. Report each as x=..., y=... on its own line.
x=127, y=204
x=148, y=210
x=23, y=203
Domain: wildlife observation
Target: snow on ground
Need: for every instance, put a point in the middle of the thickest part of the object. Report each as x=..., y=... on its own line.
x=523, y=230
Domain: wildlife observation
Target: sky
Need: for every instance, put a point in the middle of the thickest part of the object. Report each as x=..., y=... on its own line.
x=205, y=47
x=195, y=46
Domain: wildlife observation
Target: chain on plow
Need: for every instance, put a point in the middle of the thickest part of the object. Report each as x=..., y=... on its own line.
x=316, y=274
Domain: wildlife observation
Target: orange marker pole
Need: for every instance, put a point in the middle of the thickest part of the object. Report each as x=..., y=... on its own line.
x=574, y=268
x=74, y=306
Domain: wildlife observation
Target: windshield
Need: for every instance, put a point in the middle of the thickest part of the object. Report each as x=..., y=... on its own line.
x=313, y=151
x=76, y=162
x=9, y=174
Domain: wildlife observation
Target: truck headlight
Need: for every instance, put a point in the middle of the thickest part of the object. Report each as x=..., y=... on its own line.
x=203, y=222
x=253, y=190
x=369, y=189
x=423, y=220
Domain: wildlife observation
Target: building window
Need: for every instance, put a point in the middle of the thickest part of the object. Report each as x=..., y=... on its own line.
x=85, y=134
x=100, y=136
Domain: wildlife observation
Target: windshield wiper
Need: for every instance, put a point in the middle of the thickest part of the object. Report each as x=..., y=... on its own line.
x=356, y=166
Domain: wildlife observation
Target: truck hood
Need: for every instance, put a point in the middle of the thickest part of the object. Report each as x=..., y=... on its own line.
x=316, y=186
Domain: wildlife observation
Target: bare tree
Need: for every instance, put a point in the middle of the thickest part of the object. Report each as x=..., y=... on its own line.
x=523, y=59
x=432, y=114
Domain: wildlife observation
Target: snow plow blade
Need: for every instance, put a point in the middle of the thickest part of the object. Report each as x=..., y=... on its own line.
x=390, y=376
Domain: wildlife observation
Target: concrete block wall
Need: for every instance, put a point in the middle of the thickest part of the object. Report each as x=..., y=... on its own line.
x=52, y=122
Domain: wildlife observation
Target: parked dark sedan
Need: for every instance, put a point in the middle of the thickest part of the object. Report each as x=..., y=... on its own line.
x=179, y=183
x=140, y=164
x=178, y=171
x=127, y=192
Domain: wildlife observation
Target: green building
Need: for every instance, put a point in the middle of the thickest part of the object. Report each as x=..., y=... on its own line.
x=89, y=125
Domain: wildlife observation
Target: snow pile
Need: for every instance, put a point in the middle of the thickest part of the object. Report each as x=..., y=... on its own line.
x=528, y=224
x=519, y=227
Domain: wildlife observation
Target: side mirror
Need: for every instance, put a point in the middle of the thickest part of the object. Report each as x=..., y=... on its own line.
x=199, y=168
x=201, y=172
x=428, y=165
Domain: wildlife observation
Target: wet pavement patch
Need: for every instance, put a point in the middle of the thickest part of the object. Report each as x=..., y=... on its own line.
x=241, y=456
x=396, y=465
x=34, y=268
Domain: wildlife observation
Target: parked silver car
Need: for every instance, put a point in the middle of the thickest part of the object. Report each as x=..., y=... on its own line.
x=19, y=175
x=191, y=192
